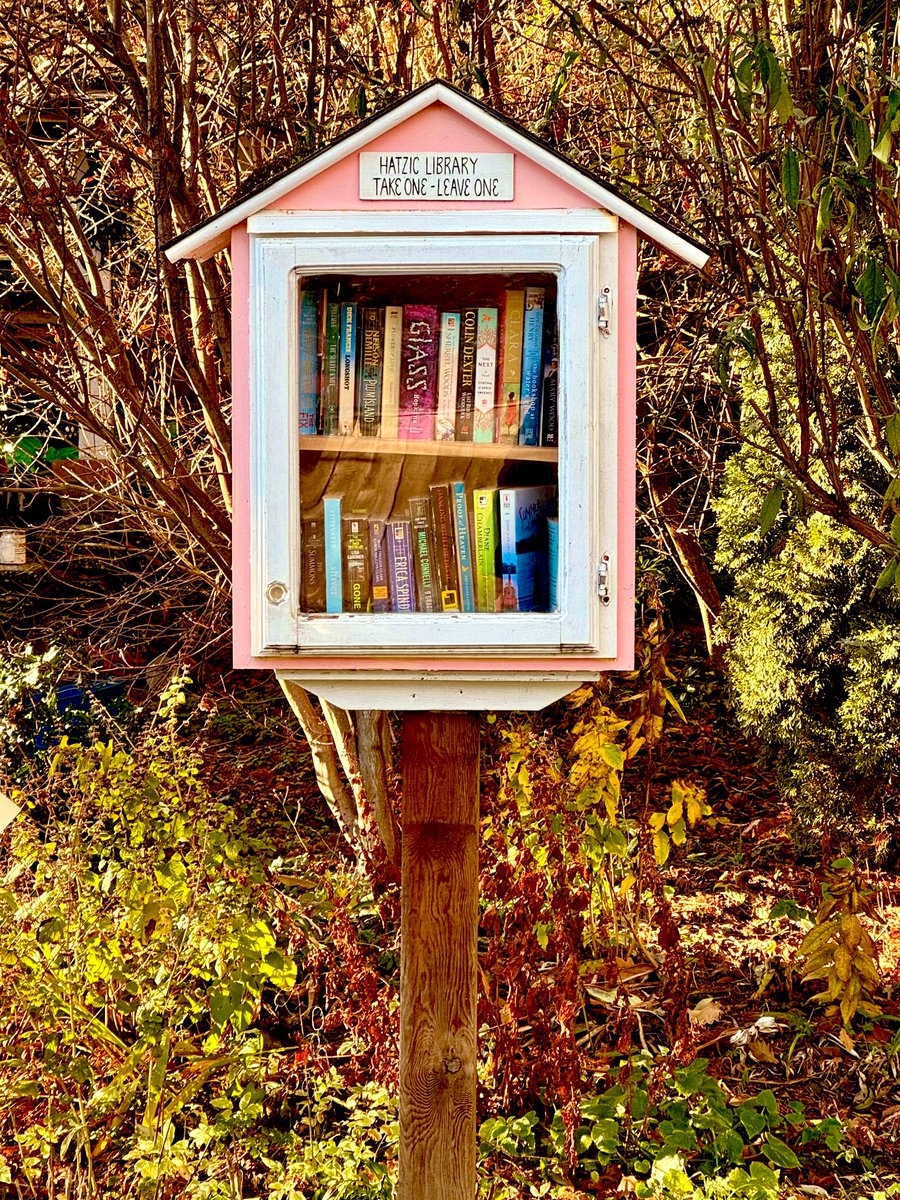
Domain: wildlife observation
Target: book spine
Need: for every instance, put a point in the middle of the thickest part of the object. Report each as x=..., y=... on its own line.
x=530, y=509
x=465, y=400
x=532, y=367
x=332, y=370
x=356, y=564
x=381, y=596
x=418, y=368
x=445, y=546
x=371, y=332
x=309, y=361
x=550, y=392
x=390, y=379
x=448, y=377
x=334, y=575
x=509, y=594
x=485, y=375
x=486, y=524
x=400, y=567
x=312, y=567
x=511, y=367
x=463, y=548
x=423, y=554
x=552, y=563
x=322, y=317
x=347, y=381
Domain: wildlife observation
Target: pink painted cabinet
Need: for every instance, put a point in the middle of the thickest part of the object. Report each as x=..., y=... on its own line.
x=434, y=325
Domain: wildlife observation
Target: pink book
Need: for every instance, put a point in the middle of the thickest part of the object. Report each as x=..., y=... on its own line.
x=418, y=372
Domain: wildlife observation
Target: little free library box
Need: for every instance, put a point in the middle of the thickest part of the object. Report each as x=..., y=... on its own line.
x=434, y=403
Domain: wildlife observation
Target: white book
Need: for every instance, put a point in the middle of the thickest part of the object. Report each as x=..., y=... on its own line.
x=485, y=374
x=448, y=375
x=390, y=379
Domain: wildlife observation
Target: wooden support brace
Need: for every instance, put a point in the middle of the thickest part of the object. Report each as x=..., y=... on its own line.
x=439, y=947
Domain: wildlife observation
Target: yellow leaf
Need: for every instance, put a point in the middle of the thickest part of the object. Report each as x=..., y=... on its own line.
x=656, y=821
x=679, y=833
x=661, y=848
x=842, y=963
x=675, y=813
x=845, y=1039
x=671, y=699
x=851, y=931
x=634, y=747
x=627, y=884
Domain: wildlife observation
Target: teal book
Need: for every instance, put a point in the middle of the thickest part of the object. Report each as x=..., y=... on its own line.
x=309, y=361
x=553, y=563
x=532, y=368
x=463, y=548
x=334, y=564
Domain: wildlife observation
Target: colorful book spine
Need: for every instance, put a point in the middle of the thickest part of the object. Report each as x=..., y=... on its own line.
x=381, y=594
x=334, y=573
x=347, y=379
x=418, y=369
x=445, y=546
x=485, y=375
x=513, y=323
x=447, y=378
x=356, y=564
x=523, y=546
x=465, y=399
x=486, y=523
x=312, y=567
x=371, y=354
x=331, y=370
x=553, y=563
x=427, y=598
x=532, y=367
x=550, y=392
x=309, y=361
x=400, y=567
x=463, y=548
x=390, y=377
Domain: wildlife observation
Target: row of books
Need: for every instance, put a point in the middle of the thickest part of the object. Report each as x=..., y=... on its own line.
x=483, y=373
x=492, y=550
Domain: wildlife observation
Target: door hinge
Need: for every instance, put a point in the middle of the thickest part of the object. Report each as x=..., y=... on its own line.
x=604, y=310
x=603, y=580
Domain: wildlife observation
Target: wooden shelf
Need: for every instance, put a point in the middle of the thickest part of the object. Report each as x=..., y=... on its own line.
x=365, y=447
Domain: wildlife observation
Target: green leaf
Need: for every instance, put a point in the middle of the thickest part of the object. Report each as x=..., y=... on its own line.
x=790, y=179
x=771, y=507
x=895, y=529
x=779, y=1152
x=886, y=578
x=863, y=138
x=823, y=216
x=882, y=147
x=892, y=432
x=612, y=755
x=671, y=699
x=869, y=285
x=752, y=1120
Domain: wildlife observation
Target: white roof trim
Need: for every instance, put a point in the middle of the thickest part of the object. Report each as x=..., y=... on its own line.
x=211, y=236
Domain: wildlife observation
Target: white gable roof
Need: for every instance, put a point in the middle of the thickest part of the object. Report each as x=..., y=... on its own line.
x=213, y=234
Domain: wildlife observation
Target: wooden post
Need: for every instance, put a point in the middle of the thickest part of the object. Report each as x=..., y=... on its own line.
x=439, y=950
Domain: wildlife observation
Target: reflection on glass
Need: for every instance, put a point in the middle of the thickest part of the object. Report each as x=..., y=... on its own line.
x=429, y=422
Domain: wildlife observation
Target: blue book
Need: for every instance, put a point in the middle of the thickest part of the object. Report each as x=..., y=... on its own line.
x=309, y=361
x=532, y=368
x=524, y=513
x=401, y=567
x=552, y=563
x=347, y=371
x=334, y=568
x=463, y=548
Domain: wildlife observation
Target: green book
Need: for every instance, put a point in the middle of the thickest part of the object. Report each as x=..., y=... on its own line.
x=486, y=511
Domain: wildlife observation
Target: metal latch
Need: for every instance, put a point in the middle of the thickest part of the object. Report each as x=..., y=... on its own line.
x=604, y=307
x=603, y=580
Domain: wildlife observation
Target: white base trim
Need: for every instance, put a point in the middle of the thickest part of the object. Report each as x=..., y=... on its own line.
x=446, y=692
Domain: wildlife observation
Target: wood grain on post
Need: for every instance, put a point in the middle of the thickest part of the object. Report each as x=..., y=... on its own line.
x=439, y=931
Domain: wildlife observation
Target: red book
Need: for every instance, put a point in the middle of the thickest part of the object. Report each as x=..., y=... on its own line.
x=418, y=372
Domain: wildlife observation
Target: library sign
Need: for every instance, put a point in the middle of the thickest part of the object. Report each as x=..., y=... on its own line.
x=435, y=176
x=434, y=360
